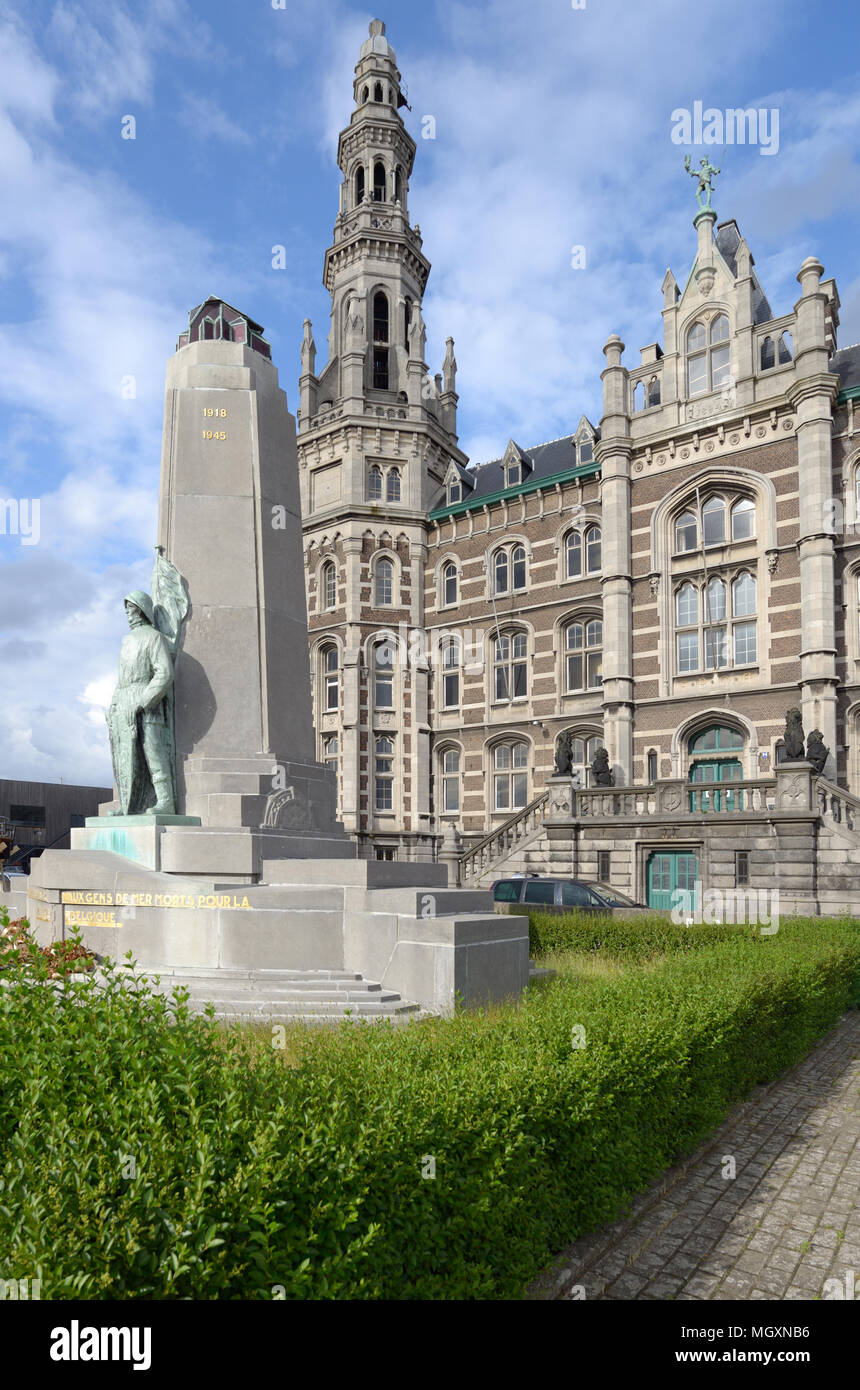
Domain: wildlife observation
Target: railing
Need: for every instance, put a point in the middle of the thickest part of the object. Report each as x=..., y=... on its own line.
x=499, y=843
x=837, y=805
x=675, y=797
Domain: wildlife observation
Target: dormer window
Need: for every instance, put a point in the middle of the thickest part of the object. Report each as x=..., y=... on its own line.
x=586, y=451
x=513, y=475
x=455, y=491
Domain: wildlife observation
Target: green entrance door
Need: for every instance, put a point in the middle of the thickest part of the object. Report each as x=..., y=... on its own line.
x=712, y=770
x=669, y=874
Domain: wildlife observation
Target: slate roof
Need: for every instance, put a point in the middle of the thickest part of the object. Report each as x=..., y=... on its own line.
x=728, y=239
x=557, y=456
x=846, y=362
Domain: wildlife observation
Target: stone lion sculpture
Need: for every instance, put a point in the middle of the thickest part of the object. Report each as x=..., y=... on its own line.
x=562, y=754
x=601, y=775
x=817, y=751
x=793, y=739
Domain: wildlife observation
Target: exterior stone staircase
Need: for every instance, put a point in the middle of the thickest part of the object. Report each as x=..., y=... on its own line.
x=284, y=996
x=505, y=850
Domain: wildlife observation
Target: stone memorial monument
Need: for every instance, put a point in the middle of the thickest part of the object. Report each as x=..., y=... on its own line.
x=222, y=852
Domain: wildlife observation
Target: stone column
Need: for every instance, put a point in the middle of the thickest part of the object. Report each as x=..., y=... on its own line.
x=812, y=396
x=614, y=456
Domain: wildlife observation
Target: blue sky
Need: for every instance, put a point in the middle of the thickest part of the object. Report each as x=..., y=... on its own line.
x=552, y=130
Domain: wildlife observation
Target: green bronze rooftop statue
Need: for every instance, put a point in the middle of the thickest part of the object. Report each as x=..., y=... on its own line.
x=706, y=174
x=140, y=718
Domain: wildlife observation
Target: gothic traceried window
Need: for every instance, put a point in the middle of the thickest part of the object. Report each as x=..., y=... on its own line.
x=392, y=485
x=383, y=675
x=374, y=484
x=449, y=584
x=450, y=672
x=573, y=555
x=708, y=356
x=509, y=569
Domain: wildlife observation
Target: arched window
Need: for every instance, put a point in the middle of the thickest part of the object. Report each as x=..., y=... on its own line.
x=377, y=92
x=383, y=584
x=449, y=584
x=768, y=356
x=450, y=768
x=398, y=185
x=687, y=606
x=639, y=396
x=374, y=484
x=743, y=520
x=743, y=595
x=359, y=185
x=330, y=750
x=784, y=347
x=714, y=521
x=383, y=774
x=500, y=572
x=379, y=182
x=518, y=567
x=583, y=646
x=582, y=751
x=329, y=584
x=686, y=532
x=331, y=681
x=450, y=647
x=392, y=485
x=509, y=569
x=383, y=675
x=380, y=341
x=653, y=391
x=455, y=491
x=708, y=356
x=510, y=776
x=708, y=628
x=510, y=666
x=407, y=318
x=573, y=555
x=592, y=550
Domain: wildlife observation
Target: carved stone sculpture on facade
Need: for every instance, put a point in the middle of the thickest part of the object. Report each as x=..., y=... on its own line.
x=140, y=717
x=817, y=751
x=562, y=754
x=793, y=738
x=601, y=774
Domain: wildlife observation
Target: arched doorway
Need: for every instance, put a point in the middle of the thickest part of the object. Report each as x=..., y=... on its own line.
x=715, y=762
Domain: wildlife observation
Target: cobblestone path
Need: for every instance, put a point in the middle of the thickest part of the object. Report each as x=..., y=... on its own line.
x=788, y=1221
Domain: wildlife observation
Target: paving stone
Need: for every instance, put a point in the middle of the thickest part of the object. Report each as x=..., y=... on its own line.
x=798, y=1146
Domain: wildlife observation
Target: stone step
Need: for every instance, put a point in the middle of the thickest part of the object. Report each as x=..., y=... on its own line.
x=430, y=902
x=285, y=1008
x=354, y=873
x=288, y=995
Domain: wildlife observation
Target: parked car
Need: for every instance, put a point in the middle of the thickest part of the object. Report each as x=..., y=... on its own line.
x=560, y=894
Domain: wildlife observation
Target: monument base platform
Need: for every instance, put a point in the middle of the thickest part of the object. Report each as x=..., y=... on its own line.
x=134, y=837
x=395, y=923
x=181, y=845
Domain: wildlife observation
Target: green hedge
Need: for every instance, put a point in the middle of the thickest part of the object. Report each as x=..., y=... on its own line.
x=636, y=938
x=251, y=1174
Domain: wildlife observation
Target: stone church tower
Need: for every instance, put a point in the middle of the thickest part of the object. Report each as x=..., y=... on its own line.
x=377, y=434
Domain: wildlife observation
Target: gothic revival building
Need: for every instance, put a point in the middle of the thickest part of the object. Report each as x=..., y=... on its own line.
x=664, y=583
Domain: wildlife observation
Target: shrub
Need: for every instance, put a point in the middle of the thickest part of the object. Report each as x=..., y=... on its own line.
x=636, y=938
x=148, y=1153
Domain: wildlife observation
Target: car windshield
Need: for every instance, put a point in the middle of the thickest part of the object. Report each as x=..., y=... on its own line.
x=612, y=895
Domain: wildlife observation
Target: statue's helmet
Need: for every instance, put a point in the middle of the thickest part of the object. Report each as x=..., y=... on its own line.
x=143, y=602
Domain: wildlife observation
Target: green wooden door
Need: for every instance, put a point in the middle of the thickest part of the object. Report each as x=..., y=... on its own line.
x=669, y=875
